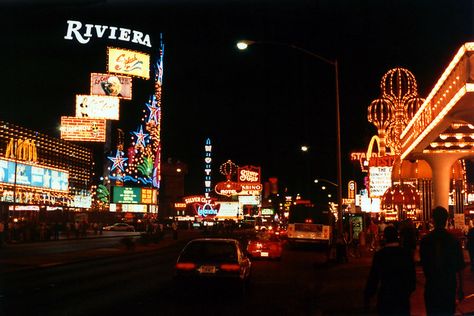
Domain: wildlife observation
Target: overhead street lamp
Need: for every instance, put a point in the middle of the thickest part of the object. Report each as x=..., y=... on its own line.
x=244, y=44
x=325, y=180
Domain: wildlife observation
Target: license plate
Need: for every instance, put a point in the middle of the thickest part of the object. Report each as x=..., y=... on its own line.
x=264, y=254
x=207, y=269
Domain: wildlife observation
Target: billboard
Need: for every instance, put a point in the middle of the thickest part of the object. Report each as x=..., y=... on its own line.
x=97, y=106
x=380, y=179
x=82, y=129
x=132, y=195
x=126, y=195
x=130, y=208
x=228, y=209
x=33, y=176
x=128, y=62
x=149, y=196
x=111, y=85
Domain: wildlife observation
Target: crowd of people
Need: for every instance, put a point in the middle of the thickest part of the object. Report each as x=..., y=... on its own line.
x=392, y=276
x=29, y=231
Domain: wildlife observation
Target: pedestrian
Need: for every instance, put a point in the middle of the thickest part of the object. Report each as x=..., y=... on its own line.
x=442, y=260
x=408, y=235
x=470, y=246
x=374, y=232
x=392, y=276
x=56, y=228
x=77, y=229
x=2, y=233
x=362, y=242
x=174, y=228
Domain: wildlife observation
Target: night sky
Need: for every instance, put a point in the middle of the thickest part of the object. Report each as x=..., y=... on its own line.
x=257, y=106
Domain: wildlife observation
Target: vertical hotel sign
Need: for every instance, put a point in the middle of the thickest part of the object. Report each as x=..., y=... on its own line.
x=128, y=62
x=207, y=168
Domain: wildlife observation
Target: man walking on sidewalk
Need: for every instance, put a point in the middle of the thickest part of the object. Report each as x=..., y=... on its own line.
x=442, y=260
x=392, y=276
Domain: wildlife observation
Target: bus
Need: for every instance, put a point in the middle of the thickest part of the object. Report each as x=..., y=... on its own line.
x=310, y=223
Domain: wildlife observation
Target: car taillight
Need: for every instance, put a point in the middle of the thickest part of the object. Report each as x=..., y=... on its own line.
x=185, y=266
x=230, y=267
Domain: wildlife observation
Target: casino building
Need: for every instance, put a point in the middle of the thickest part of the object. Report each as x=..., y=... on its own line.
x=42, y=172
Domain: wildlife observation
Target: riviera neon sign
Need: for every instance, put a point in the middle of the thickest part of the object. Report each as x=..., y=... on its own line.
x=74, y=29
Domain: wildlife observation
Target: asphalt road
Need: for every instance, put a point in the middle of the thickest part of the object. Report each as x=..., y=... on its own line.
x=139, y=282
x=102, y=277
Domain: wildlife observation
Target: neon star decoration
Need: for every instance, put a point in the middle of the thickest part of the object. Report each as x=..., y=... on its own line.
x=141, y=137
x=154, y=111
x=144, y=150
x=118, y=161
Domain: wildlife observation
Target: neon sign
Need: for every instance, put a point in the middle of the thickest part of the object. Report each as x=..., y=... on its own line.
x=128, y=62
x=207, y=168
x=207, y=210
x=228, y=188
x=90, y=30
x=249, y=174
x=33, y=176
x=22, y=150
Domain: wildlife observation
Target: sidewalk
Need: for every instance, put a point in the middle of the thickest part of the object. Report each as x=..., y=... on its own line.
x=417, y=298
x=38, y=260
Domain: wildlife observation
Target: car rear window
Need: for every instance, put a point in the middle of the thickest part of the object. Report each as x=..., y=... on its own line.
x=215, y=251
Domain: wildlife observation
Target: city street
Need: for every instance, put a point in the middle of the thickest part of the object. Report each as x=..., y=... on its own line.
x=113, y=280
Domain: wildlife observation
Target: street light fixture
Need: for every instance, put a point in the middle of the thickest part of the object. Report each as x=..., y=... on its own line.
x=325, y=180
x=244, y=44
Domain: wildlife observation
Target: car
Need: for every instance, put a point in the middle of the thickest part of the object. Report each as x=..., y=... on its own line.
x=213, y=261
x=265, y=245
x=124, y=227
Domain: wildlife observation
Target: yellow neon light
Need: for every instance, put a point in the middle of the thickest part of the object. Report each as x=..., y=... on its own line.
x=466, y=47
x=435, y=121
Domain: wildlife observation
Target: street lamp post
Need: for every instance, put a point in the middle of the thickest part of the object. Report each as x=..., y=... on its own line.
x=244, y=45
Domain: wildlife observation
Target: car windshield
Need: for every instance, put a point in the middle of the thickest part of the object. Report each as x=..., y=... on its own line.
x=215, y=251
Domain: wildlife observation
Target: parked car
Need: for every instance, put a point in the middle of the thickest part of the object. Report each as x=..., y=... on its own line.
x=265, y=245
x=124, y=227
x=208, y=260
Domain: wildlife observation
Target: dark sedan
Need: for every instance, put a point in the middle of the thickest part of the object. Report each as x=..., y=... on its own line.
x=219, y=260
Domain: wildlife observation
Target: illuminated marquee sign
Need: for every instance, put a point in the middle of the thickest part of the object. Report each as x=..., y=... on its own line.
x=251, y=189
x=82, y=129
x=149, y=196
x=129, y=208
x=111, y=85
x=33, y=176
x=97, y=106
x=249, y=179
x=131, y=195
x=380, y=179
x=250, y=199
x=84, y=34
x=128, y=62
x=126, y=195
x=228, y=209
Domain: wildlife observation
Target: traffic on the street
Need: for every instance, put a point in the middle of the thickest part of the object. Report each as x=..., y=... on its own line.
x=98, y=275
